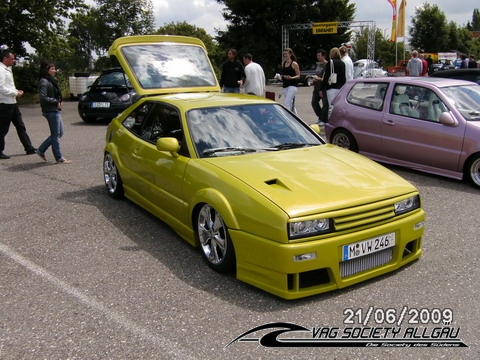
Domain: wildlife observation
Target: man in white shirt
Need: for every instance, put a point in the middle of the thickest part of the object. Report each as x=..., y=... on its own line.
x=9, y=110
x=254, y=77
x=348, y=63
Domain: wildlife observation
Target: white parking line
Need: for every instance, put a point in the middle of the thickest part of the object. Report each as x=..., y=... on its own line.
x=166, y=345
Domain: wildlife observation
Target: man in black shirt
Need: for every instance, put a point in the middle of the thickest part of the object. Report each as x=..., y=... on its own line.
x=233, y=73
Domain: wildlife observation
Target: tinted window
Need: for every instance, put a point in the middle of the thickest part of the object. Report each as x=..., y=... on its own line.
x=112, y=79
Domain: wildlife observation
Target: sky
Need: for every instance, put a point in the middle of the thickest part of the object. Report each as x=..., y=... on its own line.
x=207, y=14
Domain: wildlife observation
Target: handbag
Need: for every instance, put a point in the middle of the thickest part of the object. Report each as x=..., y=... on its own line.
x=333, y=75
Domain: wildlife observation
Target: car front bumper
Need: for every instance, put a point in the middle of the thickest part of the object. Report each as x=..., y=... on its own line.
x=270, y=265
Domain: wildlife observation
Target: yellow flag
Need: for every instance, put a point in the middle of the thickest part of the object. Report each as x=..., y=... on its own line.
x=393, y=37
x=401, y=19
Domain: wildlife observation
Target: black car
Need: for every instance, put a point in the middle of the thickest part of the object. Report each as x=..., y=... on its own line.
x=108, y=96
x=462, y=74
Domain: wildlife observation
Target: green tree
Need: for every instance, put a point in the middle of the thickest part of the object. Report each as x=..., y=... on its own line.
x=256, y=27
x=429, y=30
x=385, y=50
x=118, y=18
x=38, y=23
x=475, y=24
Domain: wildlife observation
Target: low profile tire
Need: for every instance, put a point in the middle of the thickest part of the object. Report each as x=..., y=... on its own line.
x=344, y=139
x=112, y=178
x=473, y=170
x=216, y=246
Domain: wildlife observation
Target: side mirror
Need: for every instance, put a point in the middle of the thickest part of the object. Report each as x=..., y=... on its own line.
x=316, y=128
x=447, y=119
x=169, y=144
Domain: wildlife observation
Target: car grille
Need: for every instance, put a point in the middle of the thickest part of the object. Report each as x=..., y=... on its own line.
x=364, y=215
x=351, y=267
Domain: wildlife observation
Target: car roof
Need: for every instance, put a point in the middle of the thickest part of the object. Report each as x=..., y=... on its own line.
x=209, y=99
x=162, y=64
x=420, y=80
x=452, y=72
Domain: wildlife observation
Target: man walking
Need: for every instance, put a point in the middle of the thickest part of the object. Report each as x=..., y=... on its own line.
x=254, y=77
x=320, y=110
x=9, y=110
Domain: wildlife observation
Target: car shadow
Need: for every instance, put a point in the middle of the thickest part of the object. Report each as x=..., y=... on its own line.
x=153, y=236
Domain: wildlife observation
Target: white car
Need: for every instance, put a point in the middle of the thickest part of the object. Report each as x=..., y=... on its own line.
x=367, y=69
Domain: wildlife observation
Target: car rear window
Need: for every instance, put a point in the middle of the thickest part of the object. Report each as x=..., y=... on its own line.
x=369, y=95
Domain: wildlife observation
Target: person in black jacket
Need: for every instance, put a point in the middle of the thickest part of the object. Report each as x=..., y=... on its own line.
x=51, y=104
x=233, y=73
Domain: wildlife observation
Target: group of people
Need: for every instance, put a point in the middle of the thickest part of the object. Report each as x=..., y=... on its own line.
x=418, y=65
x=332, y=71
x=248, y=75
x=50, y=102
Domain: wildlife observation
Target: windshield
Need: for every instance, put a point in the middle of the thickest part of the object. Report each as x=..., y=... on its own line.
x=169, y=65
x=466, y=99
x=241, y=129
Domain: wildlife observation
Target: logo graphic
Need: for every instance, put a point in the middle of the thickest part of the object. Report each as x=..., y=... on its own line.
x=361, y=336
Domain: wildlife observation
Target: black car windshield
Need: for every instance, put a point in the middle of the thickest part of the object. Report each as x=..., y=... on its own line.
x=169, y=65
x=466, y=100
x=242, y=129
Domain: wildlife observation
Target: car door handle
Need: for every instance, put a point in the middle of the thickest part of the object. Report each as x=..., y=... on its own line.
x=389, y=122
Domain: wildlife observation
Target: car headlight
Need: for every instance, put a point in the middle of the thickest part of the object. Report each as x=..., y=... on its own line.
x=307, y=228
x=83, y=97
x=125, y=97
x=407, y=205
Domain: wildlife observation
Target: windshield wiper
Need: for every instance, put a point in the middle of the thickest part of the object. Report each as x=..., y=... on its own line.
x=286, y=146
x=227, y=149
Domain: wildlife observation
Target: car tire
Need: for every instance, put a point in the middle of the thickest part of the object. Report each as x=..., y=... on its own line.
x=112, y=178
x=215, y=243
x=344, y=139
x=473, y=170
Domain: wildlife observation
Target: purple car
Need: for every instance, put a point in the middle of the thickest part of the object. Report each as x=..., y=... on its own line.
x=423, y=123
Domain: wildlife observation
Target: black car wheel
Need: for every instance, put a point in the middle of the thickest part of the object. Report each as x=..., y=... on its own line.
x=217, y=248
x=112, y=178
x=344, y=139
x=473, y=170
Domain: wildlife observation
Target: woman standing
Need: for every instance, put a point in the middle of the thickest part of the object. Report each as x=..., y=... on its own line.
x=290, y=77
x=51, y=103
x=334, y=77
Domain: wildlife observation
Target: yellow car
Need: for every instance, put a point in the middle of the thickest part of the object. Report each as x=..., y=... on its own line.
x=257, y=189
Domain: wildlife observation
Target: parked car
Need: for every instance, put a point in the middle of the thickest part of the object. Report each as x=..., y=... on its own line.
x=462, y=74
x=424, y=123
x=257, y=189
x=108, y=96
x=442, y=64
x=307, y=74
x=367, y=68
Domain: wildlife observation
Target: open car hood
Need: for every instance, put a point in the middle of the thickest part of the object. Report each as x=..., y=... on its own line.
x=164, y=64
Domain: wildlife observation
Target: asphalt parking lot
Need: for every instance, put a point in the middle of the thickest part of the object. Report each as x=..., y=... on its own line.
x=84, y=276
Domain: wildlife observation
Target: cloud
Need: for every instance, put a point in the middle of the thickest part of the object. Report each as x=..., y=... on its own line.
x=205, y=14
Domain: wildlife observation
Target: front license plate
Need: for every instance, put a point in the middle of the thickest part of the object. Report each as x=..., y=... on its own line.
x=100, y=105
x=365, y=247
